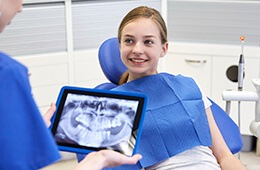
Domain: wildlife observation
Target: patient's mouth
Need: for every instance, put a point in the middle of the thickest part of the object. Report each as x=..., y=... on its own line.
x=137, y=60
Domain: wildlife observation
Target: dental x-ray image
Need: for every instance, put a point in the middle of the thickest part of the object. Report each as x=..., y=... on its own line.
x=98, y=122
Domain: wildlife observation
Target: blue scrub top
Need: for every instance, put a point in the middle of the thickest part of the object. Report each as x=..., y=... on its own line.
x=25, y=141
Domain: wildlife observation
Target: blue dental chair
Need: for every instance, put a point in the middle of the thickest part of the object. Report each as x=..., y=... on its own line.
x=113, y=68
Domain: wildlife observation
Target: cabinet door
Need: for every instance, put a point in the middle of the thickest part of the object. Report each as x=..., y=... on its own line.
x=220, y=82
x=85, y=64
x=196, y=66
x=48, y=73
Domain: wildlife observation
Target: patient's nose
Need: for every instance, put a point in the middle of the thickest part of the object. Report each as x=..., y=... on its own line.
x=138, y=48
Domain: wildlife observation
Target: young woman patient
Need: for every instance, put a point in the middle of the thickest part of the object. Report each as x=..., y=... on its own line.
x=179, y=130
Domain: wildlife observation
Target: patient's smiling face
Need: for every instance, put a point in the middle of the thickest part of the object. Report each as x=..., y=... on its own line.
x=98, y=122
x=141, y=47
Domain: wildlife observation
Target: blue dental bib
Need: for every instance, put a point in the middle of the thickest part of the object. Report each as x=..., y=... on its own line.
x=175, y=119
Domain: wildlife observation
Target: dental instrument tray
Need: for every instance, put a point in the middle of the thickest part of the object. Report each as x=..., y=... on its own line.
x=93, y=119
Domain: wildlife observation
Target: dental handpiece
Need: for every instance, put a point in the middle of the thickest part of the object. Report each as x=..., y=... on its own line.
x=241, y=66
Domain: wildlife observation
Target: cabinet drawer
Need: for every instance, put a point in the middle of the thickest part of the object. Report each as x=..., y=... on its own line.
x=196, y=66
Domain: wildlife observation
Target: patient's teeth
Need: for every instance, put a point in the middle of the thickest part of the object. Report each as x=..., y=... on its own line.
x=138, y=60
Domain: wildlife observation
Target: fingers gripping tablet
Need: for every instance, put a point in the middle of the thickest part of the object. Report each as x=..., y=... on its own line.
x=92, y=119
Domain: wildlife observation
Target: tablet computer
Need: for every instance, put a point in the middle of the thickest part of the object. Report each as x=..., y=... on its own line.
x=92, y=119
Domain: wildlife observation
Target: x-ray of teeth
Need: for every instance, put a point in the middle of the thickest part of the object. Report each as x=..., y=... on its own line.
x=96, y=121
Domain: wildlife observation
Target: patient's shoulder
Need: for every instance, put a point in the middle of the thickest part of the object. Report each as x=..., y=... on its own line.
x=179, y=77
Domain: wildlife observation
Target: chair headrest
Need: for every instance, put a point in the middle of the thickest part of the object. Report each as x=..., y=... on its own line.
x=110, y=60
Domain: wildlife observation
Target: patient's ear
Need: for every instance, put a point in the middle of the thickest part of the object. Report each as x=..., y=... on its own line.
x=164, y=49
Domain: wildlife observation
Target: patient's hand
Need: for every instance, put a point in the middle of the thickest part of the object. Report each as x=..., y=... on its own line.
x=48, y=115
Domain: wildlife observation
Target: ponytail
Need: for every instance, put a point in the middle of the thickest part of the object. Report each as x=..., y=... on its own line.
x=123, y=78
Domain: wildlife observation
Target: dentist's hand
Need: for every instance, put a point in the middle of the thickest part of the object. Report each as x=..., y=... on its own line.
x=105, y=159
x=48, y=115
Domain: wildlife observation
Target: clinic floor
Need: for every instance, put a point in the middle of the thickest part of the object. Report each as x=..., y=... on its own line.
x=249, y=159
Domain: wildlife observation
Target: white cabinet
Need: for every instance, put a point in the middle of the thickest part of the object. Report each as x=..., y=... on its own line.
x=48, y=73
x=196, y=66
x=86, y=69
x=208, y=64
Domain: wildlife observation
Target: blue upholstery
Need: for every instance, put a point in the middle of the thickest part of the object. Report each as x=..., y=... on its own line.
x=110, y=61
x=228, y=128
x=113, y=68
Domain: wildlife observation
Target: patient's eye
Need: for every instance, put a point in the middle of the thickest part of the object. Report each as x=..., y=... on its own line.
x=148, y=42
x=129, y=41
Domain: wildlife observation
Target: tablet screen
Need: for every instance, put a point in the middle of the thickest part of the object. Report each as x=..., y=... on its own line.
x=91, y=119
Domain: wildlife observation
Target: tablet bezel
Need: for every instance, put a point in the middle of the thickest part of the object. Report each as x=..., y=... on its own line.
x=137, y=124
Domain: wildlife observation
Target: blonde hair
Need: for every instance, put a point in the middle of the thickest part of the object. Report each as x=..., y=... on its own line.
x=137, y=13
x=144, y=12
